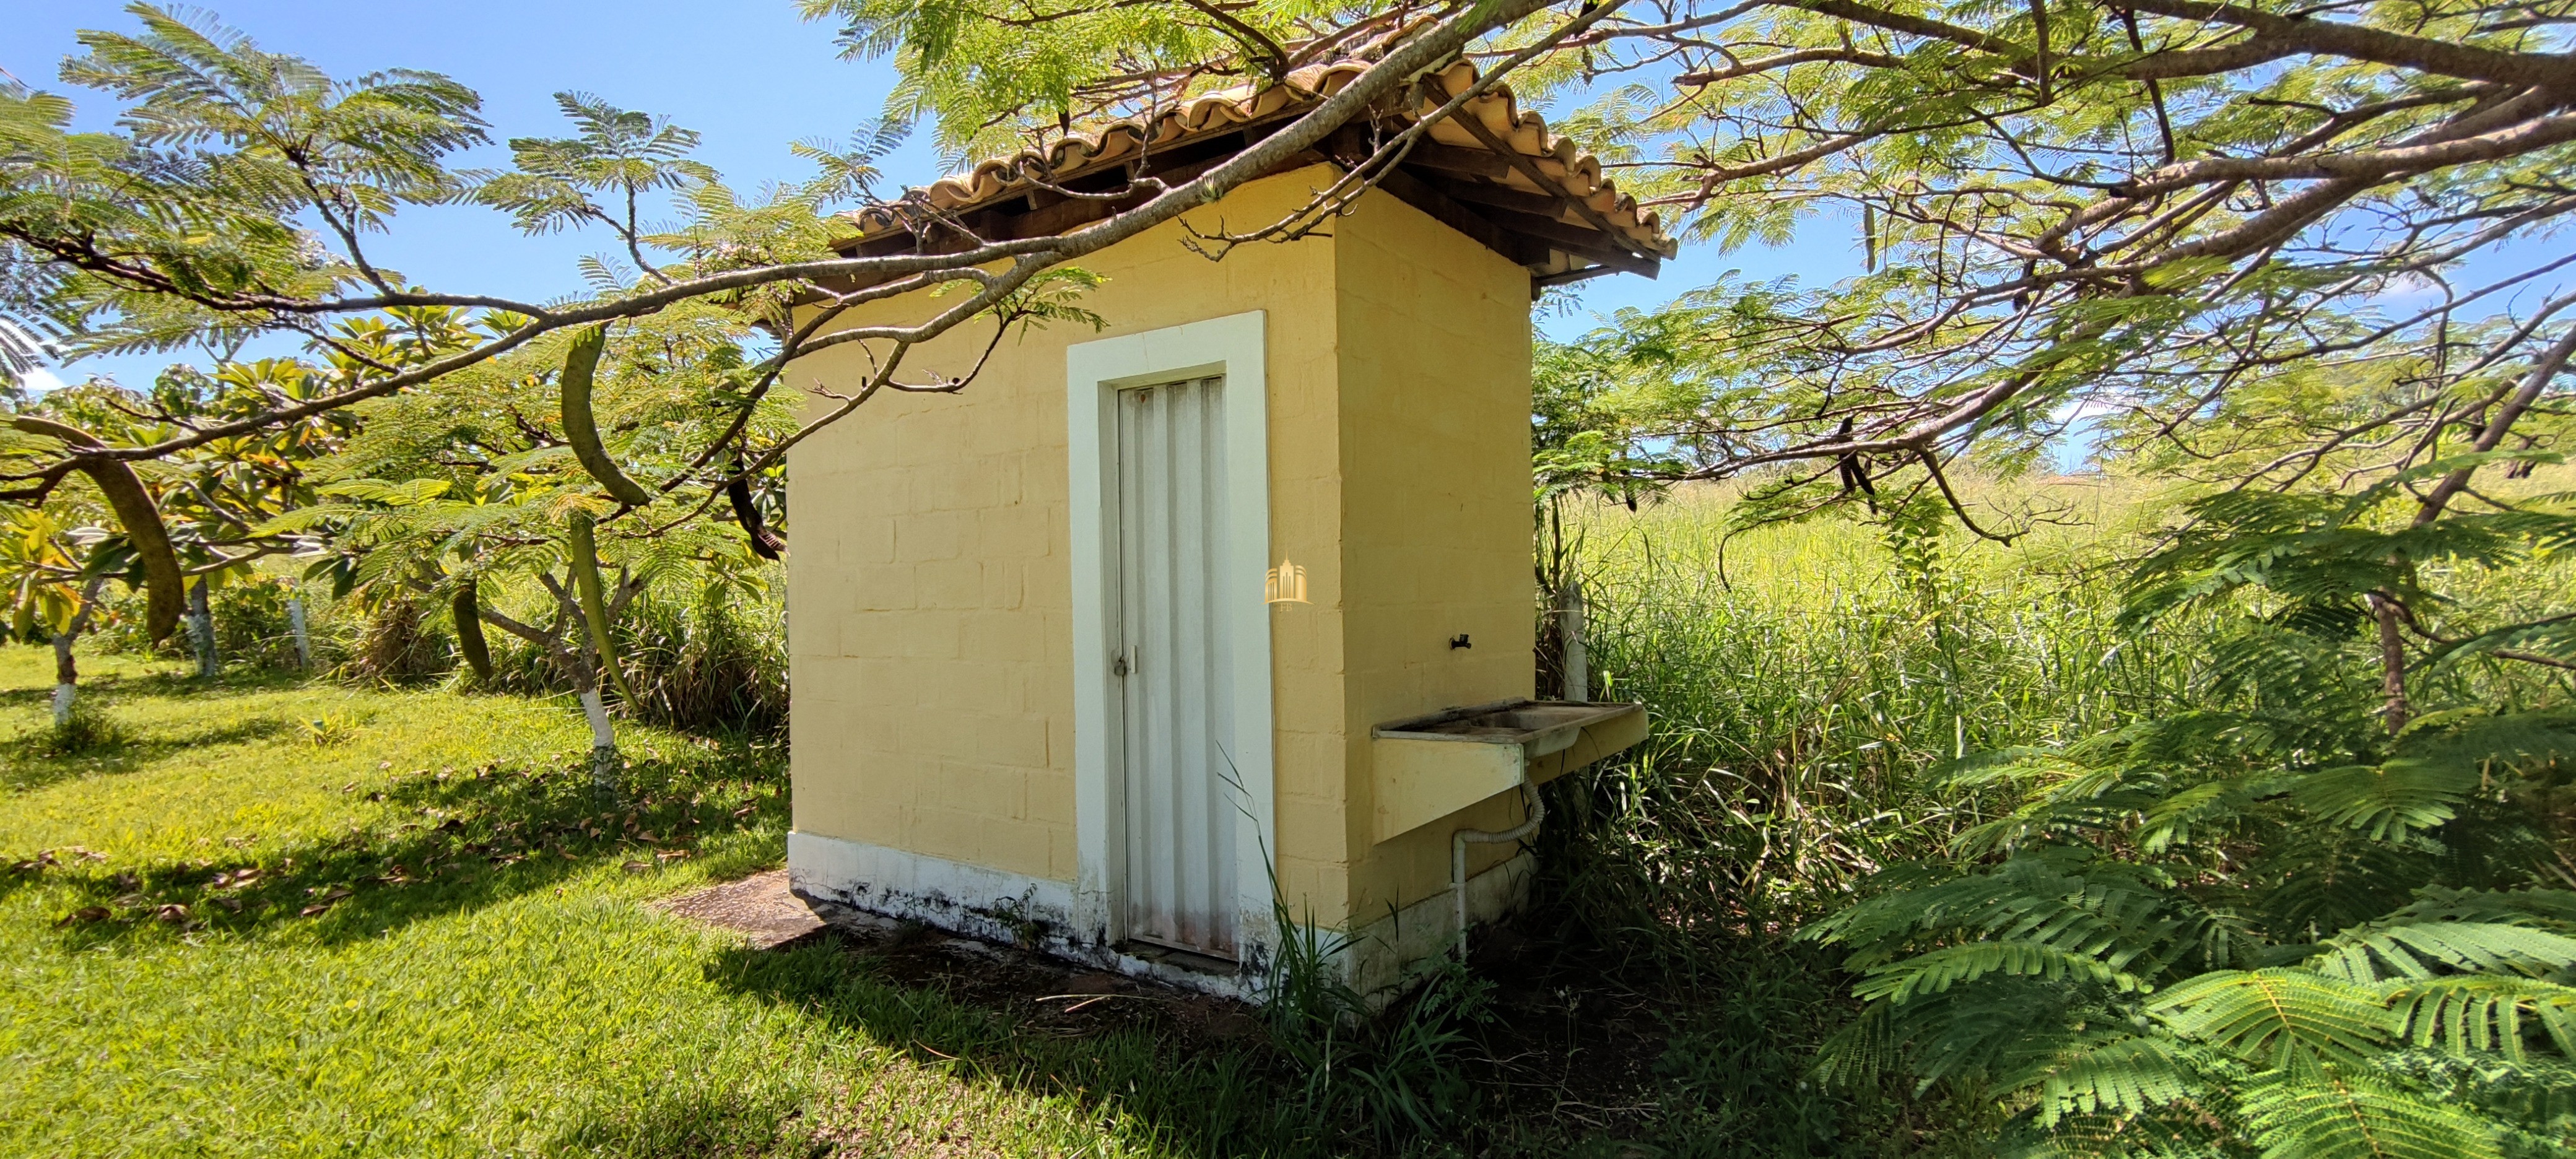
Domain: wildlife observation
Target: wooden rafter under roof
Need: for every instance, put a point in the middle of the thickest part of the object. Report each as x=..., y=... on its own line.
x=1492, y=172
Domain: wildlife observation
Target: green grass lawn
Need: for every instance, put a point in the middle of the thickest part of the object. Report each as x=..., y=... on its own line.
x=288, y=918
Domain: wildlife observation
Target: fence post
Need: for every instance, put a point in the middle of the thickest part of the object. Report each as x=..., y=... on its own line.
x=303, y=639
x=1578, y=677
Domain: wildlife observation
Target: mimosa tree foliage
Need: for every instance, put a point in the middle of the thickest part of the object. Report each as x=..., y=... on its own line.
x=2309, y=258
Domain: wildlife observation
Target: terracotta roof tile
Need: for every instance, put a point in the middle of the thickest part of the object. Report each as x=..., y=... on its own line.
x=1577, y=172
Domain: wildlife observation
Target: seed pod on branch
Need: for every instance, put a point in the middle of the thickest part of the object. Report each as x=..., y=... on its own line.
x=594, y=605
x=764, y=542
x=581, y=365
x=469, y=632
x=163, y=584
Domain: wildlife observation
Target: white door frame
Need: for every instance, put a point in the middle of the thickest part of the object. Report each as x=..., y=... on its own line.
x=1231, y=346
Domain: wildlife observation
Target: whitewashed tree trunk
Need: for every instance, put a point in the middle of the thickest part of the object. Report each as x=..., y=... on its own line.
x=66, y=669
x=303, y=638
x=66, y=679
x=201, y=625
x=562, y=644
x=603, y=741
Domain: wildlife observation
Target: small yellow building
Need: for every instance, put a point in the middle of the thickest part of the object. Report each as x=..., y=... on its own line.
x=1226, y=610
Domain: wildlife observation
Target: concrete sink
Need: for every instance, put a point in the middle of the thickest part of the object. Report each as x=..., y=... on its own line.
x=1428, y=767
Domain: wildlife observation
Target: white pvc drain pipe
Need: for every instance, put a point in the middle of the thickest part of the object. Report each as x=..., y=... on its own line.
x=1458, y=853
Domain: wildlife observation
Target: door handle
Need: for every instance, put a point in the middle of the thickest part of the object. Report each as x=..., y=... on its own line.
x=1119, y=666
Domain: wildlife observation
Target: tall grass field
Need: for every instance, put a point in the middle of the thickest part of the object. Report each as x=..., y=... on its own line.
x=1801, y=676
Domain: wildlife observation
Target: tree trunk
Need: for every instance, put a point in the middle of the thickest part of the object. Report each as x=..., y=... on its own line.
x=66, y=679
x=66, y=669
x=603, y=730
x=201, y=627
x=603, y=742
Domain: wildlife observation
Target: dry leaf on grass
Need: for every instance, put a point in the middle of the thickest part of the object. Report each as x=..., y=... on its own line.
x=324, y=902
x=87, y=913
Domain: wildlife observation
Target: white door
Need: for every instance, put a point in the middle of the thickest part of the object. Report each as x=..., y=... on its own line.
x=1174, y=683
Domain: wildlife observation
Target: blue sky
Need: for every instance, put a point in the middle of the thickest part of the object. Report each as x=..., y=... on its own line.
x=751, y=77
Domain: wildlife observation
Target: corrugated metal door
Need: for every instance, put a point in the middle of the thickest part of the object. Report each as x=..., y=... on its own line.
x=1176, y=696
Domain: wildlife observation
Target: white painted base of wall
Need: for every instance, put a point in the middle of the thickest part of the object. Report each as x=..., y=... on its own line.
x=1384, y=949
x=1037, y=914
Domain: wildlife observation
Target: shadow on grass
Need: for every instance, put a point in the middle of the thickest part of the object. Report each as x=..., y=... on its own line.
x=30, y=765
x=1146, y=1066
x=170, y=683
x=27, y=763
x=452, y=843
x=691, y=1118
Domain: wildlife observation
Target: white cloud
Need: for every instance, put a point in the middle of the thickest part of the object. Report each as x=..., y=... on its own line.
x=39, y=380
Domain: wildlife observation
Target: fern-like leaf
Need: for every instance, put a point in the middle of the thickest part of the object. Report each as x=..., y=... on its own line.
x=2512, y=739
x=2126, y=1075
x=2485, y=1012
x=1949, y=966
x=2389, y=801
x=2279, y=1016
x=1858, y=1054
x=2172, y=821
x=2379, y=952
x=2314, y=1113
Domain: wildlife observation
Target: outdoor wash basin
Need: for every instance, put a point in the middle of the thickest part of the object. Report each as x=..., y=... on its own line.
x=1428, y=767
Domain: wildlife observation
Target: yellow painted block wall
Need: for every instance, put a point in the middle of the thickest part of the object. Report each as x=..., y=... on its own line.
x=930, y=581
x=1435, y=422
x=930, y=623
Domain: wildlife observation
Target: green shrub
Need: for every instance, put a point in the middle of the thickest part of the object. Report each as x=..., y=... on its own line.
x=1398, y=1073
x=87, y=730
x=253, y=627
x=2316, y=909
x=709, y=660
x=403, y=641
x=702, y=658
